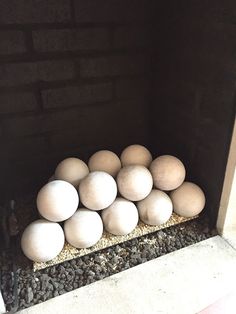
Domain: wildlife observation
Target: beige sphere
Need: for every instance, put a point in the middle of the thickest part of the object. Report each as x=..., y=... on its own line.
x=121, y=217
x=42, y=240
x=105, y=160
x=134, y=182
x=72, y=170
x=84, y=228
x=188, y=199
x=136, y=155
x=168, y=172
x=57, y=200
x=98, y=190
x=156, y=208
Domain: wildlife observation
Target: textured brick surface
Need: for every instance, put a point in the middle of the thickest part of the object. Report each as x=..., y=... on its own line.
x=34, y=11
x=47, y=122
x=114, y=65
x=71, y=39
x=132, y=36
x=12, y=42
x=36, y=145
x=76, y=95
x=17, y=102
x=112, y=10
x=171, y=71
x=132, y=88
x=24, y=73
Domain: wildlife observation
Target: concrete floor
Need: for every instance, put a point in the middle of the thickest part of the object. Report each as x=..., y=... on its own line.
x=185, y=281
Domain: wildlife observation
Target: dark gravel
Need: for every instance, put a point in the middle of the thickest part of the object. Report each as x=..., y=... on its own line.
x=36, y=287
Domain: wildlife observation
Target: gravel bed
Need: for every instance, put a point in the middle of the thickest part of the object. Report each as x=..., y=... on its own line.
x=39, y=286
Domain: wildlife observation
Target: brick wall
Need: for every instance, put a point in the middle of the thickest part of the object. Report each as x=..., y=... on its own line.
x=194, y=89
x=77, y=76
x=74, y=78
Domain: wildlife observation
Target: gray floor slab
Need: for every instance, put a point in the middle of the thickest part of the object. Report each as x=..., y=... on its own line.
x=230, y=237
x=2, y=305
x=185, y=281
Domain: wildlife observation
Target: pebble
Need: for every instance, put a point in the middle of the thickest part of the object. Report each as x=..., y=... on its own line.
x=29, y=295
x=42, y=285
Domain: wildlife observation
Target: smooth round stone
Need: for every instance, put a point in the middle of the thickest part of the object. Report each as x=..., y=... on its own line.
x=84, y=228
x=168, y=172
x=136, y=155
x=134, y=182
x=188, y=200
x=42, y=240
x=57, y=200
x=72, y=170
x=98, y=190
x=105, y=160
x=156, y=208
x=121, y=217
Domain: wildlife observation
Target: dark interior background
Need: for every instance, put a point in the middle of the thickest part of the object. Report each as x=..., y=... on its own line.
x=79, y=76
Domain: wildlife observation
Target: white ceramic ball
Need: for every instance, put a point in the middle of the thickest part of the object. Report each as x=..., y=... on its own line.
x=98, y=190
x=134, y=182
x=42, y=240
x=121, y=217
x=57, y=200
x=105, y=160
x=156, y=208
x=84, y=228
x=188, y=200
x=136, y=155
x=72, y=170
x=168, y=172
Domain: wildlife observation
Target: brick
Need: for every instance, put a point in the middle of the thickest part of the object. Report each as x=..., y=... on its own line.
x=76, y=95
x=25, y=73
x=30, y=11
x=71, y=39
x=113, y=10
x=17, y=102
x=12, y=42
x=114, y=65
x=26, y=147
x=132, y=36
x=132, y=88
x=36, y=124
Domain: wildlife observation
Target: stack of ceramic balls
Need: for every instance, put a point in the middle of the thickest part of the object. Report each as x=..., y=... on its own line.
x=134, y=177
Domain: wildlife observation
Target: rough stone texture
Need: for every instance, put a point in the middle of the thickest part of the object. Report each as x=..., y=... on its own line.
x=157, y=286
x=64, y=277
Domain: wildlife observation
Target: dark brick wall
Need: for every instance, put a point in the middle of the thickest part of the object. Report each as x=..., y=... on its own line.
x=77, y=76
x=74, y=78
x=194, y=89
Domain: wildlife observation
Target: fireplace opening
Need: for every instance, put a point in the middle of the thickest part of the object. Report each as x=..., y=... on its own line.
x=80, y=76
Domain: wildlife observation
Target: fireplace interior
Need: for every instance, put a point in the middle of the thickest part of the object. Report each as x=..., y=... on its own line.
x=80, y=76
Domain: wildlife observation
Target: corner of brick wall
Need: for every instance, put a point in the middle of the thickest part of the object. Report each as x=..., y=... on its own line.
x=74, y=76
